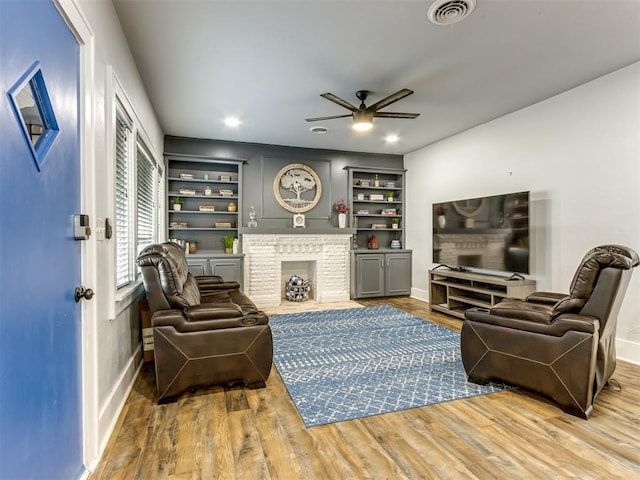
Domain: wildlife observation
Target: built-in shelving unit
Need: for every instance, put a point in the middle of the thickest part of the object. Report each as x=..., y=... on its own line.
x=453, y=292
x=210, y=190
x=376, y=202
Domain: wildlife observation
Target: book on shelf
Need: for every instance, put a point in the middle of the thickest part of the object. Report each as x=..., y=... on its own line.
x=378, y=226
x=376, y=197
x=363, y=212
x=206, y=208
x=186, y=176
x=225, y=178
x=222, y=224
x=179, y=224
x=187, y=191
x=389, y=211
x=225, y=192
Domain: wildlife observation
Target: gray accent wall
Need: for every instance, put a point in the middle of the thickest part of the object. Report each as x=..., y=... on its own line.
x=263, y=162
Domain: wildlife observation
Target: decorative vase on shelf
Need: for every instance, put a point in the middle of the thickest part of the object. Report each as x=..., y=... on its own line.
x=441, y=221
x=342, y=220
x=252, y=218
x=177, y=207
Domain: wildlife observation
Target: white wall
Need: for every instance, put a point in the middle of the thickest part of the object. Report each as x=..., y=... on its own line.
x=579, y=155
x=117, y=325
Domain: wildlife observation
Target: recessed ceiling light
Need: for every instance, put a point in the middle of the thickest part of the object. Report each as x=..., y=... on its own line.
x=391, y=138
x=231, y=122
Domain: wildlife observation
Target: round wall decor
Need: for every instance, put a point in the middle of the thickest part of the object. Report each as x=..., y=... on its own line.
x=297, y=188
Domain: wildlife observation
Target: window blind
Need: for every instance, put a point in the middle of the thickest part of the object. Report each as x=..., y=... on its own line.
x=123, y=210
x=145, y=200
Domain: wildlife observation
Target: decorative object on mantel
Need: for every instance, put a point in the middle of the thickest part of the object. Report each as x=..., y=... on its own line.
x=342, y=209
x=298, y=220
x=228, y=243
x=298, y=179
x=252, y=218
x=373, y=243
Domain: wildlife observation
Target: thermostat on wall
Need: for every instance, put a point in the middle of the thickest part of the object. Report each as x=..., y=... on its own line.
x=298, y=220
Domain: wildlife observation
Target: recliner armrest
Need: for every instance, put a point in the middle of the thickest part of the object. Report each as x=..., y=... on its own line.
x=212, y=286
x=206, y=317
x=206, y=280
x=547, y=298
x=212, y=311
x=557, y=326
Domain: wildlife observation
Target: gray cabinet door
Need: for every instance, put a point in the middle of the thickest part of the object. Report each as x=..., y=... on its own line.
x=198, y=266
x=369, y=275
x=230, y=269
x=398, y=274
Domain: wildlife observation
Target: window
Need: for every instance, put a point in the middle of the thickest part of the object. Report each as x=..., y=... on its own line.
x=138, y=182
x=146, y=200
x=123, y=204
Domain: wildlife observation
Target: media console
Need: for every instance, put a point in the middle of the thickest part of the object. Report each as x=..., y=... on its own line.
x=452, y=292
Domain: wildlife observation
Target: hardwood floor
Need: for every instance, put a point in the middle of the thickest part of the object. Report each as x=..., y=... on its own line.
x=235, y=433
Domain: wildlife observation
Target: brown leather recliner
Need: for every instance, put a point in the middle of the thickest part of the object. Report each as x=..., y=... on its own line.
x=560, y=345
x=205, y=330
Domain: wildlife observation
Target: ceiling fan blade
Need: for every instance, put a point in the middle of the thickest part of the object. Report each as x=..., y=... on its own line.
x=394, y=97
x=343, y=103
x=316, y=119
x=396, y=115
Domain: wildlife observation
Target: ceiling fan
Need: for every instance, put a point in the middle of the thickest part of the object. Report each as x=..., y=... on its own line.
x=363, y=115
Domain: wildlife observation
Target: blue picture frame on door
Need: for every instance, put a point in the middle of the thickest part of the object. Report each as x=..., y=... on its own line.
x=34, y=113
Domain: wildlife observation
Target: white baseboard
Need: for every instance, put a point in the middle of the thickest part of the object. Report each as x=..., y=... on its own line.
x=419, y=294
x=112, y=407
x=628, y=351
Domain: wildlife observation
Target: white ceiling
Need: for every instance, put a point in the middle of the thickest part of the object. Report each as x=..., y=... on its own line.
x=267, y=62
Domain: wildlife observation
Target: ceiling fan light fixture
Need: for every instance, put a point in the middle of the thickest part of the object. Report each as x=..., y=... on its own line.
x=362, y=121
x=232, y=121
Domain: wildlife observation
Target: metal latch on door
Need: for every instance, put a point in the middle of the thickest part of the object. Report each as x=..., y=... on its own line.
x=81, y=229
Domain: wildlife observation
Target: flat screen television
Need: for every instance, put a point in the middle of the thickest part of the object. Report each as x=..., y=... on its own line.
x=489, y=233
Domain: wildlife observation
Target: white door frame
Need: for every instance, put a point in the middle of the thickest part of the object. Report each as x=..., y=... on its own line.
x=79, y=26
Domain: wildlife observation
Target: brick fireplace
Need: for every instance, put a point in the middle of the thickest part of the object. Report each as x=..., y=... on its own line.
x=265, y=254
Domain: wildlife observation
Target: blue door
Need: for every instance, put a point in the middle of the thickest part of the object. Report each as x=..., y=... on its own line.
x=40, y=329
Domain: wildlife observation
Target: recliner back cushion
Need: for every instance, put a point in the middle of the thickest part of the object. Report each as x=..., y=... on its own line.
x=178, y=285
x=586, y=278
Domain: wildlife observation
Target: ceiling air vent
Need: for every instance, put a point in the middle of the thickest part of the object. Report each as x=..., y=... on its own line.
x=447, y=12
x=318, y=129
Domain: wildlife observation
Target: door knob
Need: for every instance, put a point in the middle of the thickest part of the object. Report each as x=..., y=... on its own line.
x=82, y=292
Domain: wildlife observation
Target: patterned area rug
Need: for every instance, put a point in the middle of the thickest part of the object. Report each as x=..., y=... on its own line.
x=343, y=364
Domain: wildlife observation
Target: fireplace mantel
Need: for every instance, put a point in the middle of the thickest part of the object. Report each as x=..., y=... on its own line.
x=296, y=231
